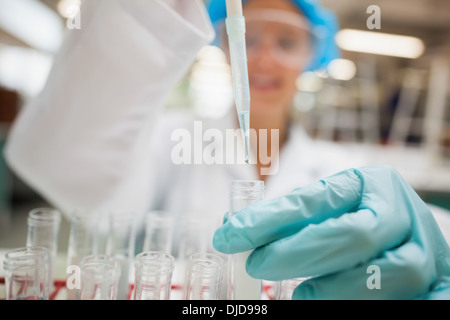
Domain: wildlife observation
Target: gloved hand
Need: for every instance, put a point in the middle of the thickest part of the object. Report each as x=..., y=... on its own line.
x=333, y=230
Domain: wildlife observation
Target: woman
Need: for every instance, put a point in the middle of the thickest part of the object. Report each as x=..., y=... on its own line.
x=89, y=140
x=281, y=43
x=93, y=138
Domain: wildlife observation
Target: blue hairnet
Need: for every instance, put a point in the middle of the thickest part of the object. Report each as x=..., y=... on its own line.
x=323, y=23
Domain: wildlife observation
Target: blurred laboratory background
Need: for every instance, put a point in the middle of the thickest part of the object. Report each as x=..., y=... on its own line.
x=388, y=96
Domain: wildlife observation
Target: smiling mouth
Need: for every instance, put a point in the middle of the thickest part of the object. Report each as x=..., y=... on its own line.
x=263, y=83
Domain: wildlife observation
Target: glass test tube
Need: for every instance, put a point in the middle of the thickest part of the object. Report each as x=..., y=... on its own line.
x=27, y=273
x=83, y=236
x=83, y=239
x=120, y=245
x=203, y=277
x=193, y=239
x=43, y=231
x=153, y=275
x=159, y=226
x=99, y=277
x=240, y=286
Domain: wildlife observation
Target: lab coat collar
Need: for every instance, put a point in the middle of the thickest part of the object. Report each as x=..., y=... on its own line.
x=294, y=168
x=240, y=171
x=288, y=171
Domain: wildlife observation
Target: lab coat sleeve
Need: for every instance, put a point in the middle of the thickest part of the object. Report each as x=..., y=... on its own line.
x=85, y=140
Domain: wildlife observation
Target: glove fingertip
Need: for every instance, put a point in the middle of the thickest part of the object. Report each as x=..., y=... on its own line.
x=218, y=241
x=226, y=217
x=304, y=291
x=221, y=241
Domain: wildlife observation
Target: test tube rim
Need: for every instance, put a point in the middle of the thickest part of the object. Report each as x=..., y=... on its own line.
x=13, y=263
x=209, y=263
x=147, y=259
x=103, y=259
x=247, y=184
x=44, y=217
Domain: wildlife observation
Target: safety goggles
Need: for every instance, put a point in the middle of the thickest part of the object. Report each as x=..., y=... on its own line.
x=285, y=36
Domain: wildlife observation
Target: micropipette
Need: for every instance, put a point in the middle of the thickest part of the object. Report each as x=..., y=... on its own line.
x=235, y=24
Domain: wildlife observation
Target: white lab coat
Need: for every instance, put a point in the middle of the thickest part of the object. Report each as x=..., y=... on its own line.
x=91, y=139
x=84, y=142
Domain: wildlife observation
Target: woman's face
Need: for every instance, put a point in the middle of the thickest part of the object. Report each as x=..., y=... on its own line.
x=277, y=51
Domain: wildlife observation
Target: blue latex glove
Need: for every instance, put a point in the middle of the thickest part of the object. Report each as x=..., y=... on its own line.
x=335, y=229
